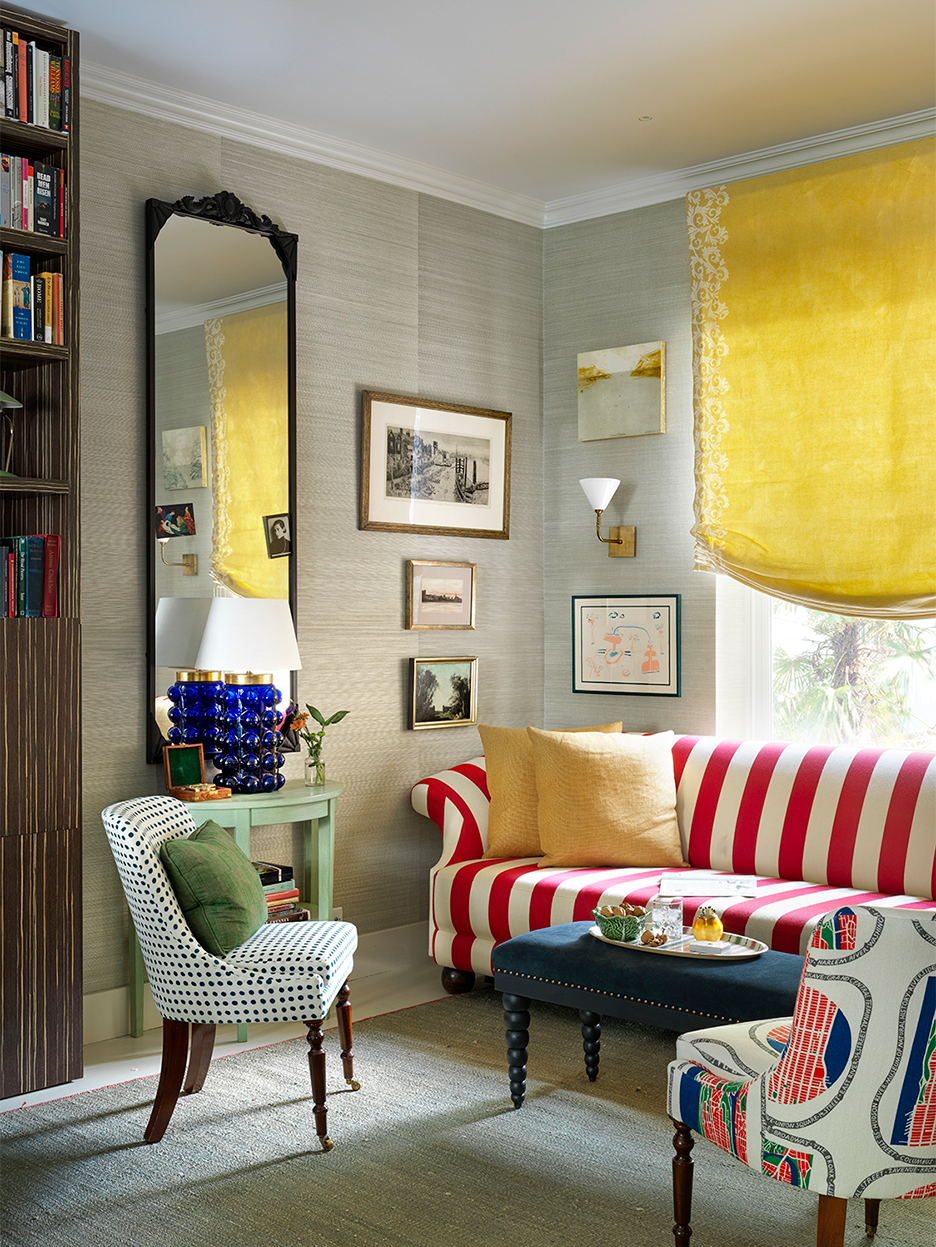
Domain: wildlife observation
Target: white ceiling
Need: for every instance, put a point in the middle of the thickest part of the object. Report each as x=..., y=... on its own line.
x=537, y=102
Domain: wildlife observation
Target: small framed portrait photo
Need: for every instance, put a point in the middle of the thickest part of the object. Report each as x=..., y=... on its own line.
x=278, y=536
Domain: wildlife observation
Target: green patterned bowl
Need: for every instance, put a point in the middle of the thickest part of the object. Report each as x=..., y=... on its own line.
x=623, y=928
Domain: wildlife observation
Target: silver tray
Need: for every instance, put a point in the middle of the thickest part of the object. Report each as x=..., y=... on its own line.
x=730, y=948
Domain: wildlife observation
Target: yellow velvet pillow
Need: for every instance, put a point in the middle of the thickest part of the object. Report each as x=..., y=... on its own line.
x=606, y=800
x=513, y=827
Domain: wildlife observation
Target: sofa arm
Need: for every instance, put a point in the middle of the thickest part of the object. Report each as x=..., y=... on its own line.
x=457, y=801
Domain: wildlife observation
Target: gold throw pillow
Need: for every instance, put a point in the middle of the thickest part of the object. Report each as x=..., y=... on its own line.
x=606, y=800
x=513, y=828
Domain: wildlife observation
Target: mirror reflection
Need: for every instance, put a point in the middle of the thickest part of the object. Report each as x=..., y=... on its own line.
x=220, y=419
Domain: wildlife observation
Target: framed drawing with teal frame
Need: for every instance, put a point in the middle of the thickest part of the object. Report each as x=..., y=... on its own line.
x=626, y=644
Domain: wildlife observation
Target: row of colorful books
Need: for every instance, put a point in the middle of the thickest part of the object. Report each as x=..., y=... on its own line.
x=32, y=196
x=32, y=304
x=36, y=82
x=282, y=895
x=29, y=576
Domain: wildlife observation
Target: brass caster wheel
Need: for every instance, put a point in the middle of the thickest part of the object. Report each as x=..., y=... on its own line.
x=870, y=1231
x=354, y=1084
x=327, y=1144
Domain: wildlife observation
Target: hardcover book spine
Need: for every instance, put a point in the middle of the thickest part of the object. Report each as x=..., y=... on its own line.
x=22, y=311
x=66, y=93
x=34, y=557
x=44, y=221
x=55, y=92
x=38, y=302
x=22, y=112
x=6, y=191
x=50, y=575
x=6, y=297
x=10, y=51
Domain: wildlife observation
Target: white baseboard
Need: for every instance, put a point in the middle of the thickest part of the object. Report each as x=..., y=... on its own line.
x=401, y=950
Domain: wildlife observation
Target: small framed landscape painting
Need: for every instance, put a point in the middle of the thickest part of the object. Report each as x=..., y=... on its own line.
x=185, y=461
x=444, y=692
x=622, y=391
x=429, y=467
x=440, y=595
x=626, y=644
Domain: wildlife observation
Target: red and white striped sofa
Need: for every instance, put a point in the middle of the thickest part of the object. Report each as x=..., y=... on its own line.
x=821, y=826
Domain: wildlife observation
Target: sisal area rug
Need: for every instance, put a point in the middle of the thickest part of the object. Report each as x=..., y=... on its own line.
x=429, y=1153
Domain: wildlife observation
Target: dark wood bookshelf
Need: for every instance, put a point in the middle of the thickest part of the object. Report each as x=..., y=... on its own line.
x=40, y=758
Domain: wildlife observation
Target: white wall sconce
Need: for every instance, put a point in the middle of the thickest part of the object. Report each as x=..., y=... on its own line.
x=599, y=490
x=189, y=562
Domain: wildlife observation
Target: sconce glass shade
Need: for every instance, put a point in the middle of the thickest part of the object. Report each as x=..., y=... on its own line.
x=599, y=490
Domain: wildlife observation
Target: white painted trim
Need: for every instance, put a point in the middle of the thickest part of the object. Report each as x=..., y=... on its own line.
x=197, y=314
x=399, y=951
x=110, y=86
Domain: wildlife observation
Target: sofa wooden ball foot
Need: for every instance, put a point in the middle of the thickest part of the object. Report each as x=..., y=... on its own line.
x=456, y=982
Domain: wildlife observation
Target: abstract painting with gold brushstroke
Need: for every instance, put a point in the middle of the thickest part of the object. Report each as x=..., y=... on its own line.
x=621, y=391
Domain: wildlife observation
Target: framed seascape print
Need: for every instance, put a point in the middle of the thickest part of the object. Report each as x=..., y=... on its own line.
x=430, y=467
x=440, y=595
x=626, y=644
x=622, y=391
x=444, y=692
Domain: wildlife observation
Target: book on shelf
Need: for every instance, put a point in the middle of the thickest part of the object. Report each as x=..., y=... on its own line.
x=22, y=306
x=6, y=297
x=6, y=190
x=39, y=307
x=45, y=214
x=35, y=82
x=32, y=574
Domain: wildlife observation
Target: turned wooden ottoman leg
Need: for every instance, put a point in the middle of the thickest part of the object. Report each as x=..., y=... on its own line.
x=517, y=1029
x=591, y=1041
x=343, y=1014
x=682, y=1183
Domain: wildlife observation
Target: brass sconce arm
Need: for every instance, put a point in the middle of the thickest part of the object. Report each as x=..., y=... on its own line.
x=189, y=562
x=607, y=540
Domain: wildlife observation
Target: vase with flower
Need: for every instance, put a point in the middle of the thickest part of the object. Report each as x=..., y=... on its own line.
x=314, y=737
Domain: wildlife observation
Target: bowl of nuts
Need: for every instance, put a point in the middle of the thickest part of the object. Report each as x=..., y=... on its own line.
x=623, y=922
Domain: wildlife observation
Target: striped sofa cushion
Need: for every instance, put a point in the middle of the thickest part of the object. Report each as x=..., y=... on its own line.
x=839, y=815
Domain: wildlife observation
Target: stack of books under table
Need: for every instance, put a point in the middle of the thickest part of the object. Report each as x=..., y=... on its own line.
x=282, y=895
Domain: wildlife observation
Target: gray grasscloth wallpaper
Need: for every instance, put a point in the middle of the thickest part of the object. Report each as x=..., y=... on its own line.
x=411, y=294
x=399, y=292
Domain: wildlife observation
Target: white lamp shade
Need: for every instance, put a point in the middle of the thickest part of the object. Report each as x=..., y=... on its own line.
x=180, y=623
x=599, y=490
x=249, y=634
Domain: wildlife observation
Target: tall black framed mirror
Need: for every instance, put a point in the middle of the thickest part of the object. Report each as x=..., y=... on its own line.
x=221, y=414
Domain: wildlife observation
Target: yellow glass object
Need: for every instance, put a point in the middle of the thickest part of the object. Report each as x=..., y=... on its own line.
x=707, y=924
x=814, y=363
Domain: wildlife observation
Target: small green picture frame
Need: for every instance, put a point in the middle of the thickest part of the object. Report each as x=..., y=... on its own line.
x=184, y=765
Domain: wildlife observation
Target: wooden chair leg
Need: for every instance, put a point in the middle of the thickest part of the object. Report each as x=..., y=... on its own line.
x=200, y=1049
x=872, y=1210
x=171, y=1073
x=343, y=1013
x=830, y=1226
x=317, y=1073
x=683, y=1142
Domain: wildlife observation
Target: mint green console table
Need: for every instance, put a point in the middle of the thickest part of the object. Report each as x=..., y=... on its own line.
x=313, y=808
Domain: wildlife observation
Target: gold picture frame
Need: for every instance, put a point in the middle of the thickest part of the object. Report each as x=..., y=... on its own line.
x=440, y=595
x=432, y=467
x=443, y=692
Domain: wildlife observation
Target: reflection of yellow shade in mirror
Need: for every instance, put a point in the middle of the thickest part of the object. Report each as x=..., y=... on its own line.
x=247, y=371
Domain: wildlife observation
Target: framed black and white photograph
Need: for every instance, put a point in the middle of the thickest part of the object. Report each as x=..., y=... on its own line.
x=626, y=644
x=429, y=467
x=278, y=536
x=440, y=595
x=444, y=692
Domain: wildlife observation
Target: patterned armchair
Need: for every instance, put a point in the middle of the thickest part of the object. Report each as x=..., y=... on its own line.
x=840, y=1099
x=283, y=972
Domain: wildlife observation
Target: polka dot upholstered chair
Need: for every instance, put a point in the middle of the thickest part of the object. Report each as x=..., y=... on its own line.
x=283, y=972
x=840, y=1099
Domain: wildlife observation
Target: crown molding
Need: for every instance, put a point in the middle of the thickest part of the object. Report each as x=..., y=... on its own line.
x=197, y=313
x=110, y=86
x=641, y=192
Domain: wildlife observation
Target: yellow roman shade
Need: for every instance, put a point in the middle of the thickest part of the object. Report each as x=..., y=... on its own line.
x=814, y=362
x=249, y=427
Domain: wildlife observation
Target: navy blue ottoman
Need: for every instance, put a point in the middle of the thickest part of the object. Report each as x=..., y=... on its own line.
x=564, y=965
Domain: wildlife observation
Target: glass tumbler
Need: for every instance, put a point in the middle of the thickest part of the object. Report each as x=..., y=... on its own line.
x=667, y=916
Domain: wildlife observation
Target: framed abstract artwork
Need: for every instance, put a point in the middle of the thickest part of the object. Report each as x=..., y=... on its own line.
x=626, y=644
x=622, y=391
x=429, y=467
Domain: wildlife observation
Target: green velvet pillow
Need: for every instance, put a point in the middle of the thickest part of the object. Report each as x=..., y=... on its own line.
x=218, y=889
